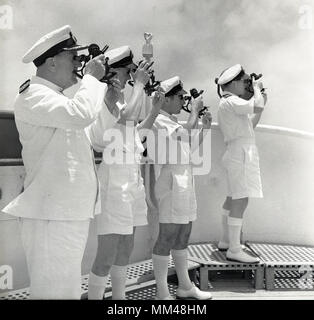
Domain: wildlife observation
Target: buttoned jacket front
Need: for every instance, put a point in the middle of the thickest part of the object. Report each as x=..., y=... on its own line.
x=60, y=182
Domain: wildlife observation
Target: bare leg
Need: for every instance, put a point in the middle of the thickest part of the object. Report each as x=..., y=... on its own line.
x=125, y=248
x=179, y=254
x=106, y=253
x=118, y=271
x=105, y=257
x=186, y=289
x=166, y=240
x=238, y=207
x=223, y=244
x=168, y=233
x=227, y=203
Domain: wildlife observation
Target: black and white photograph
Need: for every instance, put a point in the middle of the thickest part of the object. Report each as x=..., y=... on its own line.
x=156, y=150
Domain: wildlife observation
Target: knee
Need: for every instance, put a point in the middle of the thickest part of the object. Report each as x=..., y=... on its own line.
x=103, y=262
x=244, y=202
x=227, y=204
x=182, y=240
x=126, y=245
x=161, y=250
x=130, y=244
x=181, y=245
x=127, y=242
x=122, y=259
x=101, y=267
x=239, y=204
x=163, y=245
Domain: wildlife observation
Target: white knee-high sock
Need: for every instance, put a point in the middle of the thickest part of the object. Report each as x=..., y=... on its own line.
x=224, y=223
x=234, y=227
x=96, y=286
x=160, y=265
x=118, y=278
x=181, y=265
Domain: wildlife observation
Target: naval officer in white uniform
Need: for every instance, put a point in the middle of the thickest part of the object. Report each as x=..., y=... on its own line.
x=60, y=187
x=239, y=112
x=175, y=190
x=123, y=205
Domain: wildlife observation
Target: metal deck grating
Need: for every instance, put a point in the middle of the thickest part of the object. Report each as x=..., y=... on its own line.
x=22, y=294
x=292, y=284
x=282, y=253
x=139, y=272
x=287, y=274
x=286, y=266
x=148, y=293
x=212, y=259
x=209, y=254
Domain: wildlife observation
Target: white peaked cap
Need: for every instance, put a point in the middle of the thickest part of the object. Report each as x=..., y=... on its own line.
x=51, y=44
x=229, y=74
x=122, y=55
x=172, y=86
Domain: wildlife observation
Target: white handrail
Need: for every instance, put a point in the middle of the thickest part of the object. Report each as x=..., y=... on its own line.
x=273, y=129
x=260, y=128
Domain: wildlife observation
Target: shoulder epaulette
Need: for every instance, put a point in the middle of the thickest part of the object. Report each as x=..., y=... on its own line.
x=24, y=86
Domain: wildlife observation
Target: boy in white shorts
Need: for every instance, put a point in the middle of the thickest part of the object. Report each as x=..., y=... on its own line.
x=240, y=109
x=175, y=192
x=123, y=205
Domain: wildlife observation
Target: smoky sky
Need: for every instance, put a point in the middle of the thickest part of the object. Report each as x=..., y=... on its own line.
x=193, y=39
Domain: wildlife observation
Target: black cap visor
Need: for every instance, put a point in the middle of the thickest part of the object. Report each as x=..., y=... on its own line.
x=66, y=45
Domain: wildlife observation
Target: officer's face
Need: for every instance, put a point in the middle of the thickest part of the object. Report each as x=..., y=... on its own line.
x=248, y=88
x=176, y=103
x=65, y=66
x=240, y=85
x=123, y=74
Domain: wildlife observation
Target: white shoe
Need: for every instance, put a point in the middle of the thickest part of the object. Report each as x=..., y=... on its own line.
x=241, y=256
x=224, y=246
x=165, y=298
x=193, y=293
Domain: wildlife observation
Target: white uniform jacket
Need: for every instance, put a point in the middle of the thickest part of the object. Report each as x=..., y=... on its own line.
x=60, y=181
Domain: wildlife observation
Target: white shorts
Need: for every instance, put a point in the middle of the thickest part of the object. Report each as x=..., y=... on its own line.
x=175, y=194
x=54, y=252
x=241, y=162
x=123, y=204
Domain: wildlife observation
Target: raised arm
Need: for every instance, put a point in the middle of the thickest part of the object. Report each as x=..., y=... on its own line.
x=43, y=106
x=196, y=105
x=132, y=110
x=258, y=97
x=257, y=116
x=206, y=125
x=157, y=102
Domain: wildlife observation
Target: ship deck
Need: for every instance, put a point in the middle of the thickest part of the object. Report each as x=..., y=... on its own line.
x=285, y=272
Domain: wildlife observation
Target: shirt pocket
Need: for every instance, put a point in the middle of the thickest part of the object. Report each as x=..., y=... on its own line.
x=182, y=193
x=116, y=183
x=163, y=185
x=250, y=154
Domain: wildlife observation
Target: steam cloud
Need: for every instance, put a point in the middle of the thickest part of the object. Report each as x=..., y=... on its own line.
x=193, y=39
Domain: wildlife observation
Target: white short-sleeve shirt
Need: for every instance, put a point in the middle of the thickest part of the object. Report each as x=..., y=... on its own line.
x=113, y=139
x=171, y=144
x=234, y=117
